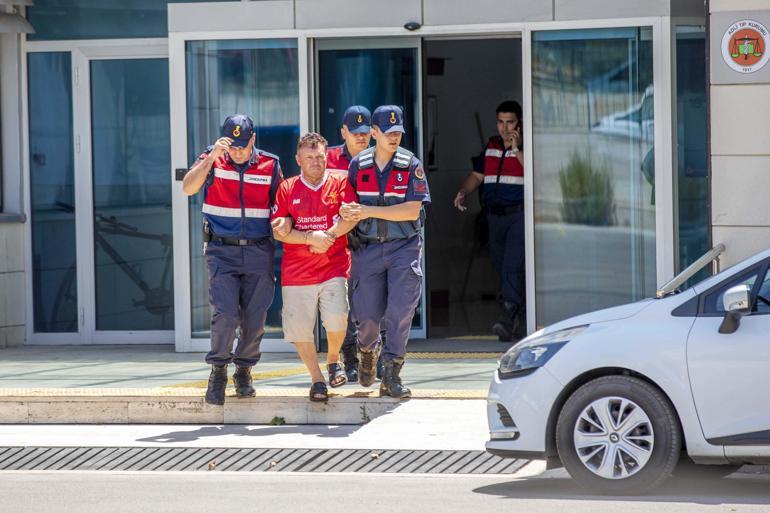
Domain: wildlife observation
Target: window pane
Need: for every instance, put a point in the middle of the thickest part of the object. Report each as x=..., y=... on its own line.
x=762, y=304
x=102, y=19
x=593, y=169
x=386, y=76
x=692, y=151
x=52, y=184
x=132, y=194
x=255, y=77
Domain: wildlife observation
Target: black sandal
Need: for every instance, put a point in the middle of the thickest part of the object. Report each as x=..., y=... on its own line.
x=337, y=376
x=319, y=393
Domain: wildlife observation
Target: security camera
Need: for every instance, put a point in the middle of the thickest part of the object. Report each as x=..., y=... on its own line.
x=412, y=25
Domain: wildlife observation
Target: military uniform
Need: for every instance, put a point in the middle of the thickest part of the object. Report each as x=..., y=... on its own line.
x=386, y=271
x=239, y=250
x=503, y=199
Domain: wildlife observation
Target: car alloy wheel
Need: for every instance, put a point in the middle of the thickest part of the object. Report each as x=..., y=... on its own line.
x=618, y=434
x=614, y=437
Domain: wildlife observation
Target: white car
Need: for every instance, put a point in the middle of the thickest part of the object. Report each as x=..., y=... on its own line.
x=619, y=396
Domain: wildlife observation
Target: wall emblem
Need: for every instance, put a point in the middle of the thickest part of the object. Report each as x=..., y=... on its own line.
x=744, y=46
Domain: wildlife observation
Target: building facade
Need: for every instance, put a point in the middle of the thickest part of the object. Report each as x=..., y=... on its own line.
x=639, y=148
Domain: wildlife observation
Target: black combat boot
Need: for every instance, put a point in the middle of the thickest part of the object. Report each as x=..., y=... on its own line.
x=380, y=368
x=391, y=380
x=242, y=381
x=350, y=359
x=367, y=371
x=215, y=393
x=505, y=326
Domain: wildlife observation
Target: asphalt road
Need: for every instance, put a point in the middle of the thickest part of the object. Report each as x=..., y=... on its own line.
x=305, y=493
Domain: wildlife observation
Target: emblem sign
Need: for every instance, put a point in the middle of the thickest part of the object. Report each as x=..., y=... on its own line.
x=744, y=46
x=237, y=131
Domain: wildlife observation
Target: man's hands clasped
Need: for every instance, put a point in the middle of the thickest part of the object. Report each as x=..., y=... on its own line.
x=320, y=241
x=353, y=211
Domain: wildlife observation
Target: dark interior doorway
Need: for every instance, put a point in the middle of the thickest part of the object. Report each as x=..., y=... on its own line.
x=463, y=82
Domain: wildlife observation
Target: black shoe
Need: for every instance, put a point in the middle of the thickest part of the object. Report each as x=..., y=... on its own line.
x=350, y=359
x=215, y=393
x=391, y=380
x=367, y=368
x=242, y=381
x=505, y=326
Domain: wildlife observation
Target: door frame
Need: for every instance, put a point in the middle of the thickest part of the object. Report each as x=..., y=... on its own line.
x=82, y=53
x=183, y=339
x=664, y=131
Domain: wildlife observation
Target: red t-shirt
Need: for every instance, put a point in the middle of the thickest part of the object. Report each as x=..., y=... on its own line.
x=313, y=209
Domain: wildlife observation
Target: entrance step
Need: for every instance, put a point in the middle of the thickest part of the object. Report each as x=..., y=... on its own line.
x=186, y=406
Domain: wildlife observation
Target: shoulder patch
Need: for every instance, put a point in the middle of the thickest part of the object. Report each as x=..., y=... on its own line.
x=402, y=158
x=366, y=158
x=419, y=173
x=268, y=155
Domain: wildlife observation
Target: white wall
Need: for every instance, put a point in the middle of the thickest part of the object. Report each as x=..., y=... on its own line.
x=12, y=260
x=740, y=151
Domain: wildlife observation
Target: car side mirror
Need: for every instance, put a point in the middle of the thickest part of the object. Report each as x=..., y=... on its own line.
x=736, y=302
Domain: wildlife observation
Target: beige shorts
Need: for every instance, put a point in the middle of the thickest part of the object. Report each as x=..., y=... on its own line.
x=301, y=305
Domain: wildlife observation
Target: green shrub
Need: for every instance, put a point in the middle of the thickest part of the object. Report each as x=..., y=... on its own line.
x=587, y=192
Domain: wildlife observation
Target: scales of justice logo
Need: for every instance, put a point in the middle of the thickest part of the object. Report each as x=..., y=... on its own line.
x=744, y=46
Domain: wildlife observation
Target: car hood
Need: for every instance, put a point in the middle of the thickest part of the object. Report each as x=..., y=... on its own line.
x=608, y=314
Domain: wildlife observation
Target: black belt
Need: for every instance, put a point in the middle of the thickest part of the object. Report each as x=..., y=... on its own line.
x=505, y=210
x=381, y=240
x=230, y=241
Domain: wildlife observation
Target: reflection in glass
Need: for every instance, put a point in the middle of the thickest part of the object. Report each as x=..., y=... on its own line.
x=383, y=76
x=52, y=185
x=692, y=152
x=593, y=169
x=132, y=194
x=103, y=19
x=372, y=77
x=254, y=77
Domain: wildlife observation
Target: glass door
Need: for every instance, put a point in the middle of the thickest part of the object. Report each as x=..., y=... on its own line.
x=214, y=77
x=593, y=134
x=371, y=72
x=102, y=266
x=132, y=240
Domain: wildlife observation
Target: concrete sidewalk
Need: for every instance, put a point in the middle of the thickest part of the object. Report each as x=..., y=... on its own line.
x=155, y=385
x=425, y=424
x=159, y=366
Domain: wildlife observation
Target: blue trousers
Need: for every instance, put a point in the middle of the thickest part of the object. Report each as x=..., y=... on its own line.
x=506, y=249
x=241, y=289
x=387, y=279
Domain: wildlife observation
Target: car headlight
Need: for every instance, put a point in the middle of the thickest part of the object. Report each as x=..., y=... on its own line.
x=532, y=353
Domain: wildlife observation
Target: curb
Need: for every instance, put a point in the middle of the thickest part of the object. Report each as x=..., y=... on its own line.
x=186, y=406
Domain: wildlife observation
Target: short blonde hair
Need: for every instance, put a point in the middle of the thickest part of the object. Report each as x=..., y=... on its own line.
x=311, y=140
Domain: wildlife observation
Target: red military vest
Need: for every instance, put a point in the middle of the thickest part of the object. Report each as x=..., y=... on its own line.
x=237, y=204
x=503, y=174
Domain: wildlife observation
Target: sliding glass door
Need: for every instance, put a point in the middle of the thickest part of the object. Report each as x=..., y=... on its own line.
x=594, y=169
